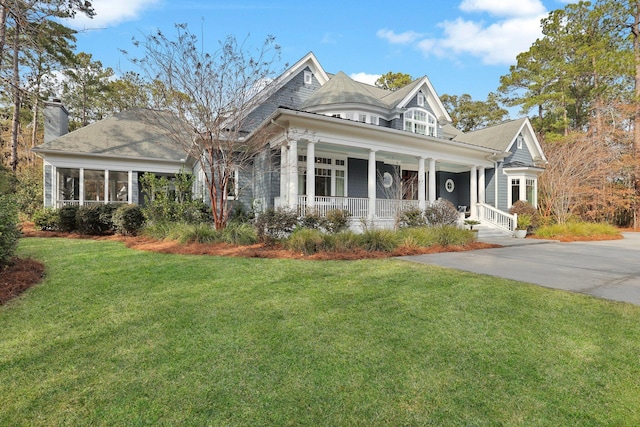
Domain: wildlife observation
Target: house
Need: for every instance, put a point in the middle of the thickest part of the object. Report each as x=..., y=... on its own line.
x=334, y=143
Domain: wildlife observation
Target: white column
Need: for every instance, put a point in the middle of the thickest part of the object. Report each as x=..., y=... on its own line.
x=421, y=184
x=372, y=184
x=293, y=174
x=81, y=191
x=130, y=187
x=432, y=180
x=284, y=175
x=473, y=191
x=106, y=186
x=481, y=184
x=311, y=174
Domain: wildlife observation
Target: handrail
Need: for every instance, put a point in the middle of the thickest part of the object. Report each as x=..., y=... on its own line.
x=496, y=217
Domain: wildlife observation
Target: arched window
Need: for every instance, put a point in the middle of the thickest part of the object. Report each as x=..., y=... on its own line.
x=420, y=121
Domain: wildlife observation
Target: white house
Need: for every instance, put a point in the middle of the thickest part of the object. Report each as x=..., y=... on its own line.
x=335, y=143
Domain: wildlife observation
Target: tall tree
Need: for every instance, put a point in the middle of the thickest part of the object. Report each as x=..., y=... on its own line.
x=209, y=97
x=393, y=81
x=468, y=115
x=85, y=88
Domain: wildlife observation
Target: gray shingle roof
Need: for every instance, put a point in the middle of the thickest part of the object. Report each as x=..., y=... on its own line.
x=496, y=137
x=342, y=89
x=133, y=133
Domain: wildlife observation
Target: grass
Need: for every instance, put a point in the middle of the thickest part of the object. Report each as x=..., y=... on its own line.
x=119, y=337
x=576, y=229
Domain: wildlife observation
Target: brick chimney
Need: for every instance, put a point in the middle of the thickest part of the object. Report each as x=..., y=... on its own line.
x=56, y=120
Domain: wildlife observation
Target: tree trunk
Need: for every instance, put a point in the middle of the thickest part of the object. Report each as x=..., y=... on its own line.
x=16, y=99
x=635, y=30
x=3, y=30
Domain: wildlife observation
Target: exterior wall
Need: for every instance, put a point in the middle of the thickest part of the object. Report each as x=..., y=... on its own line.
x=357, y=171
x=391, y=192
x=48, y=185
x=503, y=188
x=520, y=155
x=266, y=179
x=490, y=187
x=291, y=95
x=460, y=194
x=56, y=121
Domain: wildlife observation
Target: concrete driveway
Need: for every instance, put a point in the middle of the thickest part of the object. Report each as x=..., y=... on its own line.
x=608, y=269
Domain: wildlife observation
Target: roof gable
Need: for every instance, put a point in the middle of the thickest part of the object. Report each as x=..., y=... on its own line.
x=342, y=89
x=403, y=96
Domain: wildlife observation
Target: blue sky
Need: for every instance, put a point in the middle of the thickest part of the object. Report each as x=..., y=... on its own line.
x=464, y=46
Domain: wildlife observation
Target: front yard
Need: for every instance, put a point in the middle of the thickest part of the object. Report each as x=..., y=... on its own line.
x=115, y=336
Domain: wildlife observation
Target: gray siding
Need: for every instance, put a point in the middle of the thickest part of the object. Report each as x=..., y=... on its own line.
x=135, y=192
x=490, y=186
x=357, y=171
x=461, y=194
x=520, y=155
x=291, y=95
x=266, y=177
x=393, y=191
x=48, y=186
x=503, y=188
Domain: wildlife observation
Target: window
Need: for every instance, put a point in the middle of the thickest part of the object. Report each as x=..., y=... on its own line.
x=118, y=186
x=420, y=99
x=515, y=190
x=330, y=176
x=232, y=185
x=94, y=185
x=349, y=116
x=363, y=118
x=420, y=121
x=519, y=141
x=530, y=188
x=374, y=120
x=308, y=77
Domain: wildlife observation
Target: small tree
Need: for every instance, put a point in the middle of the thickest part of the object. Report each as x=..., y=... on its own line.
x=210, y=97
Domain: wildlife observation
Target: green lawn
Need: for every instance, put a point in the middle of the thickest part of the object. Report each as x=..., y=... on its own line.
x=115, y=336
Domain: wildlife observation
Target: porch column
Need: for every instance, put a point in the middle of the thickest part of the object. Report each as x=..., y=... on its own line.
x=421, y=184
x=106, y=186
x=473, y=191
x=130, y=187
x=284, y=175
x=372, y=184
x=432, y=180
x=311, y=174
x=481, y=184
x=293, y=174
x=81, y=190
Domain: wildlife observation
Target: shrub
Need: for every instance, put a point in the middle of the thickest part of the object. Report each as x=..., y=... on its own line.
x=9, y=230
x=450, y=235
x=311, y=220
x=344, y=241
x=67, y=218
x=413, y=217
x=95, y=219
x=337, y=220
x=29, y=192
x=195, y=233
x=307, y=241
x=420, y=236
x=275, y=224
x=46, y=219
x=525, y=208
x=441, y=212
x=239, y=233
x=128, y=220
x=380, y=240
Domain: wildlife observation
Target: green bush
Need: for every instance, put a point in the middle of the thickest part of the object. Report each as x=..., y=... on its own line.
x=418, y=236
x=576, y=229
x=311, y=220
x=29, y=192
x=450, y=235
x=128, y=220
x=275, y=224
x=525, y=208
x=95, y=219
x=344, y=241
x=380, y=240
x=307, y=241
x=9, y=230
x=196, y=233
x=337, y=220
x=46, y=219
x=239, y=233
x=441, y=212
x=413, y=217
x=67, y=218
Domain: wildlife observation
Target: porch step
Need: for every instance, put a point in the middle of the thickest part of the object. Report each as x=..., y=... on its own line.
x=486, y=232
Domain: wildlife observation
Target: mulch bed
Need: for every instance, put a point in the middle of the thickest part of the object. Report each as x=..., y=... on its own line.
x=19, y=276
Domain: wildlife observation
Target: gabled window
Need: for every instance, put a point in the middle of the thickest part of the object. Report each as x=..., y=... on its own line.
x=420, y=99
x=308, y=77
x=519, y=141
x=418, y=120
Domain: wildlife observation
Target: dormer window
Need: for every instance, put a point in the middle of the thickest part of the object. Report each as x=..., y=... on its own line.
x=308, y=77
x=420, y=121
x=519, y=141
x=420, y=99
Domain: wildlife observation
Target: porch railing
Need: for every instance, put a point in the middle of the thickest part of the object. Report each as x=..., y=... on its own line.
x=357, y=206
x=496, y=217
x=62, y=203
x=390, y=208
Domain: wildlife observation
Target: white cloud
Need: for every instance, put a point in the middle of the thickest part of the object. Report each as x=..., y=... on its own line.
x=504, y=8
x=402, y=38
x=511, y=31
x=365, y=78
x=110, y=13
